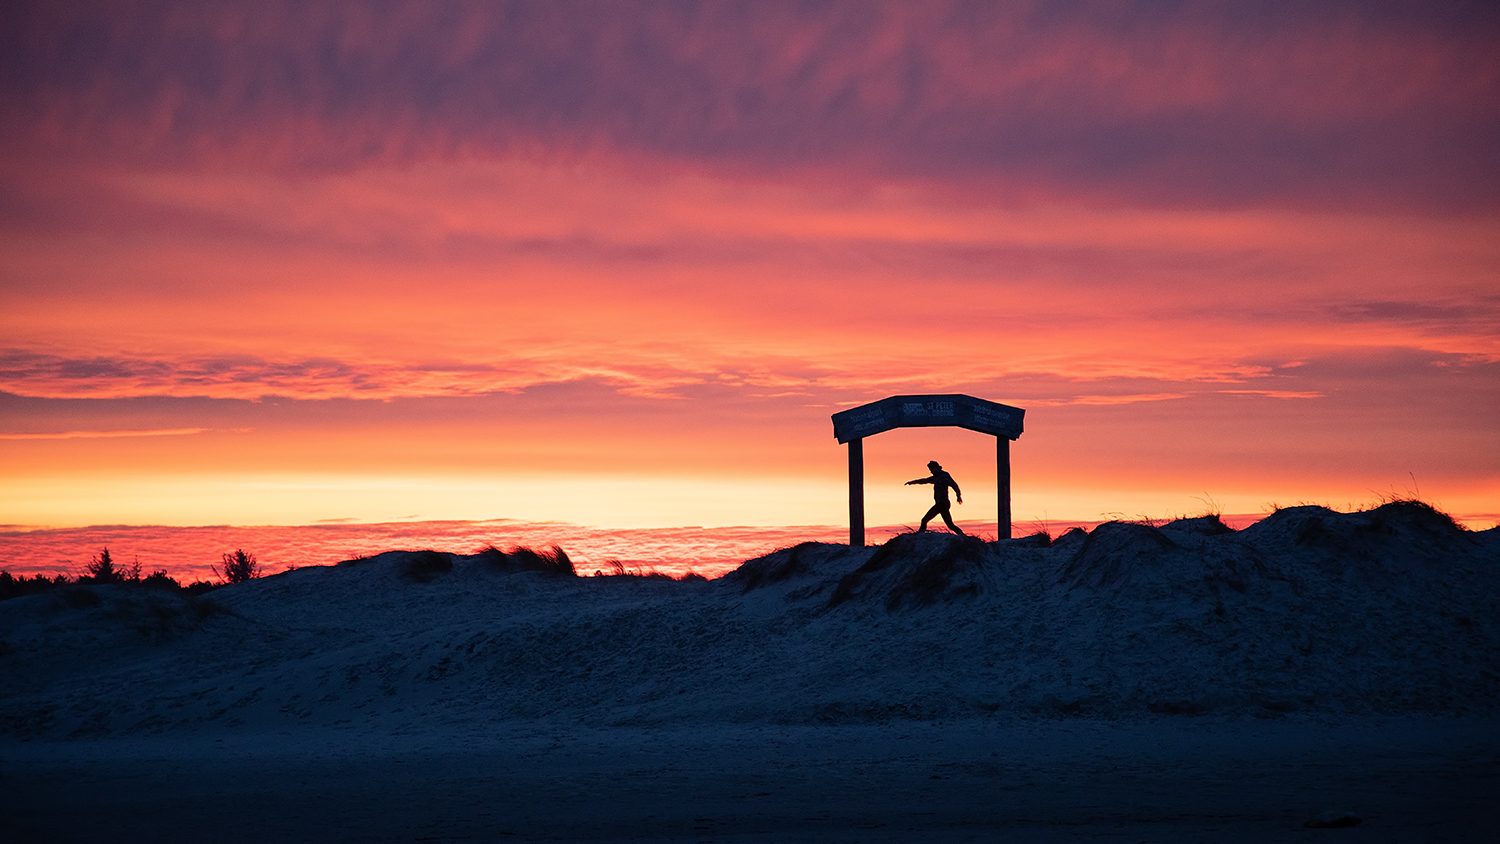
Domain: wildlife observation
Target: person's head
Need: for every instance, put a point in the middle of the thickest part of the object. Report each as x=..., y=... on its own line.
x=934, y=466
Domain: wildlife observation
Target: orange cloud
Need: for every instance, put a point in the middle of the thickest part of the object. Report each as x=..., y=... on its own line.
x=74, y=435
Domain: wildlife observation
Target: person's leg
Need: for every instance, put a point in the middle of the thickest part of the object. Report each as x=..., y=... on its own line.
x=927, y=518
x=948, y=520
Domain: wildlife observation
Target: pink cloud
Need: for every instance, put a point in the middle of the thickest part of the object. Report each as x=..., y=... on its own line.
x=1200, y=105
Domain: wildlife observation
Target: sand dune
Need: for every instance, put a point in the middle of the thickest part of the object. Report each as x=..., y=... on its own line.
x=1388, y=611
x=1310, y=615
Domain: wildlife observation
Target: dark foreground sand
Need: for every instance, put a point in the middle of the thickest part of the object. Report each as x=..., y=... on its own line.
x=1168, y=779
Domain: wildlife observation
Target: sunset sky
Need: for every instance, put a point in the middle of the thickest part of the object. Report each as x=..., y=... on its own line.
x=615, y=264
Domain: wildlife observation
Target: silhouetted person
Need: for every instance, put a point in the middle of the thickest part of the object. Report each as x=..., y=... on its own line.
x=940, y=481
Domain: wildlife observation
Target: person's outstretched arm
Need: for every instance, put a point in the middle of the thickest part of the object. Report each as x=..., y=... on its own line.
x=921, y=481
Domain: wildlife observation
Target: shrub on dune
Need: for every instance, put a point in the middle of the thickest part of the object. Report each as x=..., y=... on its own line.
x=159, y=579
x=917, y=570
x=426, y=566
x=199, y=587
x=773, y=568
x=15, y=587
x=553, y=560
x=618, y=568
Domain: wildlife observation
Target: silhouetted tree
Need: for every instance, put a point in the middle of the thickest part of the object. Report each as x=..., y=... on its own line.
x=101, y=569
x=239, y=567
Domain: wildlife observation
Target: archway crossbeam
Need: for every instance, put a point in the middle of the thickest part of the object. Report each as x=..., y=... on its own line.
x=956, y=410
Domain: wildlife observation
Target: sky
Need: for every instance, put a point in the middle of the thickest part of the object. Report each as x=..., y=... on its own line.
x=616, y=264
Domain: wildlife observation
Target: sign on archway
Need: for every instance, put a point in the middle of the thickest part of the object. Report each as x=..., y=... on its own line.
x=954, y=410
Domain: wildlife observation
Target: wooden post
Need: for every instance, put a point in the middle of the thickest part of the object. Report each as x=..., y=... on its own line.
x=857, y=493
x=1002, y=482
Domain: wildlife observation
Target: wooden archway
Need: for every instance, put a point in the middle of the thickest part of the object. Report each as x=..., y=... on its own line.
x=852, y=426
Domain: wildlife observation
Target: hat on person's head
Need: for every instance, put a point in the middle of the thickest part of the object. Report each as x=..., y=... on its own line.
x=933, y=464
